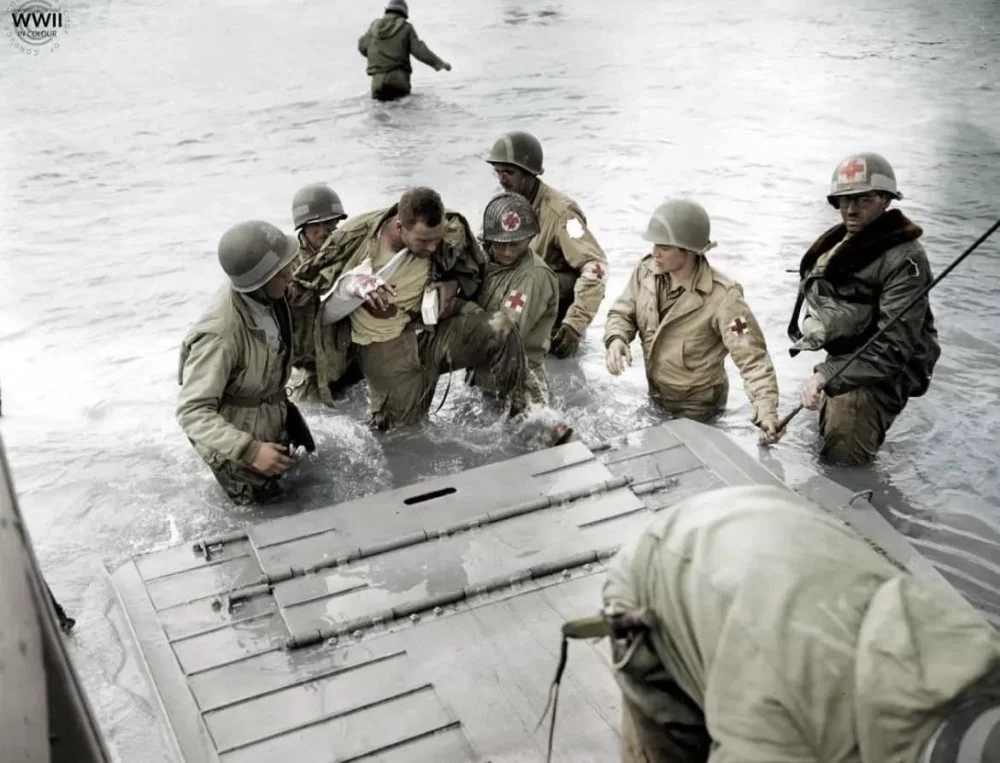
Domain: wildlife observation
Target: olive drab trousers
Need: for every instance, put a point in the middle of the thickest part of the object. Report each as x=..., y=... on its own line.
x=853, y=425
x=245, y=486
x=700, y=404
x=402, y=373
x=645, y=741
x=390, y=86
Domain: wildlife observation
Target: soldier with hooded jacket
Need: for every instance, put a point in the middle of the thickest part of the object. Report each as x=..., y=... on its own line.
x=316, y=213
x=234, y=363
x=402, y=350
x=855, y=278
x=754, y=626
x=689, y=317
x=388, y=45
x=519, y=283
x=564, y=241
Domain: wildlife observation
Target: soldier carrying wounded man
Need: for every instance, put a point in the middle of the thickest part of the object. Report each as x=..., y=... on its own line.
x=397, y=284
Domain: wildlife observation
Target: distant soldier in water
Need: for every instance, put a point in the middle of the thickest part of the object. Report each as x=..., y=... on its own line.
x=234, y=364
x=564, y=241
x=855, y=278
x=316, y=213
x=689, y=317
x=388, y=45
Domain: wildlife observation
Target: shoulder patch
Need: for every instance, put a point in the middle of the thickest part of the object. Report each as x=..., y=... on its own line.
x=575, y=228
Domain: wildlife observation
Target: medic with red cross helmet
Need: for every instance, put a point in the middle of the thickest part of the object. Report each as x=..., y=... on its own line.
x=519, y=283
x=854, y=279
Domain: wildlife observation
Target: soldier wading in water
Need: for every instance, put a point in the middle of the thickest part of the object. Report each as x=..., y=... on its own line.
x=855, y=278
x=563, y=240
x=234, y=364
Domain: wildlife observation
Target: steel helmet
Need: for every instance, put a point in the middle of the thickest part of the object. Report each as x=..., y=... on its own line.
x=509, y=217
x=398, y=6
x=316, y=203
x=521, y=149
x=682, y=223
x=860, y=173
x=253, y=252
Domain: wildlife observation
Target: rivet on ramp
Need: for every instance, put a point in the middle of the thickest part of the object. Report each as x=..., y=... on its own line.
x=438, y=611
x=414, y=618
x=357, y=634
x=566, y=573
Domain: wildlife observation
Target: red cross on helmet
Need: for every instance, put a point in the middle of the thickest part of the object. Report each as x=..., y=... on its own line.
x=861, y=173
x=509, y=217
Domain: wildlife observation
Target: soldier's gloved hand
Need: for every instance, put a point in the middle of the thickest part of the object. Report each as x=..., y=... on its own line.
x=445, y=65
x=618, y=356
x=565, y=342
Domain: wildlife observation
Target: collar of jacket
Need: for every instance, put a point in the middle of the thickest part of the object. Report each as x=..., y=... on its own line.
x=538, y=195
x=381, y=220
x=496, y=267
x=305, y=248
x=862, y=249
x=257, y=295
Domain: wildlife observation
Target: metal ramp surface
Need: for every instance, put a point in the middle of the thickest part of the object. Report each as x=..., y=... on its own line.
x=422, y=624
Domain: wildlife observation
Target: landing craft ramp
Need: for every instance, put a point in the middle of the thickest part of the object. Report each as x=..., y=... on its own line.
x=422, y=624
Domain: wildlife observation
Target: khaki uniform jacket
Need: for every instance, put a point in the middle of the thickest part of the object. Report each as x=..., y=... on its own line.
x=529, y=293
x=685, y=353
x=800, y=642
x=568, y=247
x=459, y=257
x=232, y=384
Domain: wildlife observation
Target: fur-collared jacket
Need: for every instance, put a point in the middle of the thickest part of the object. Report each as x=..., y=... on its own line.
x=852, y=287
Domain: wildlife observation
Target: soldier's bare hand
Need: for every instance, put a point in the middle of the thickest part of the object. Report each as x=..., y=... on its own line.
x=812, y=393
x=446, y=66
x=271, y=459
x=618, y=357
x=379, y=302
x=447, y=293
x=566, y=342
x=769, y=430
